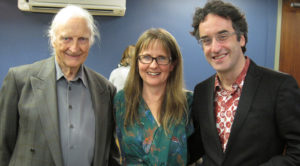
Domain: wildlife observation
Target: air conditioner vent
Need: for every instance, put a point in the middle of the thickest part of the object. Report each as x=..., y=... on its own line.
x=99, y=7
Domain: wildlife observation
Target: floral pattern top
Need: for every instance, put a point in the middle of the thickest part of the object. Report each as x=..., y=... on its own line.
x=145, y=142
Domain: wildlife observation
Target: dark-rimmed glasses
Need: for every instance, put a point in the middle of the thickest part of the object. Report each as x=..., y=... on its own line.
x=161, y=60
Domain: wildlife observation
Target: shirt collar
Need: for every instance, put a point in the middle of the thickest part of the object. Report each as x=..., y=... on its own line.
x=80, y=74
x=240, y=79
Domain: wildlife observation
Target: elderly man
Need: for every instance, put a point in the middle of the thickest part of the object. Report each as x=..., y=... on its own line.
x=57, y=111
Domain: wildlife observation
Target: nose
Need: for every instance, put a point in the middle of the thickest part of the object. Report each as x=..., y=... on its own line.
x=74, y=46
x=215, y=45
x=154, y=63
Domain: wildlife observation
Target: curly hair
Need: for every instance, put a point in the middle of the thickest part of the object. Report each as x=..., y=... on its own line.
x=225, y=10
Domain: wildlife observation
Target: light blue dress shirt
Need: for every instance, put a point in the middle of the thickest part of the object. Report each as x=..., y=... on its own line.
x=76, y=119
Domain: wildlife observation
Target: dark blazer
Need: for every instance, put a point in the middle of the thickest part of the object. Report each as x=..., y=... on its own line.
x=29, y=124
x=267, y=119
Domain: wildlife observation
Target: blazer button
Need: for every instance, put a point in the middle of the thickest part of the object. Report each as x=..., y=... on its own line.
x=32, y=150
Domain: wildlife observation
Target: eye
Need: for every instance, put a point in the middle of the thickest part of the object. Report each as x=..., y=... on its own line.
x=162, y=58
x=147, y=57
x=83, y=39
x=66, y=38
x=206, y=40
x=222, y=36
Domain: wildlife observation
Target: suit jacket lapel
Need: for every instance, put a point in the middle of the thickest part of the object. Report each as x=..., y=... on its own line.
x=97, y=92
x=44, y=88
x=212, y=117
x=248, y=92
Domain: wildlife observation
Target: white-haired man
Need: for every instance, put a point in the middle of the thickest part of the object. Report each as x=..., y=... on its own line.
x=57, y=111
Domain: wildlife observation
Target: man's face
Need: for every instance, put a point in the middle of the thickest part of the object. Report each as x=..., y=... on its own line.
x=220, y=45
x=72, y=43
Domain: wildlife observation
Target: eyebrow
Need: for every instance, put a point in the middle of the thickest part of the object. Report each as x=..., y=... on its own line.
x=220, y=32
x=223, y=31
x=144, y=55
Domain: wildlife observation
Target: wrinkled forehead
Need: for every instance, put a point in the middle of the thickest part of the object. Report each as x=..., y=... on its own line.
x=75, y=27
x=74, y=22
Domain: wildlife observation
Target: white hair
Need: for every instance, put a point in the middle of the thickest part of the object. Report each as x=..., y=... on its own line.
x=72, y=11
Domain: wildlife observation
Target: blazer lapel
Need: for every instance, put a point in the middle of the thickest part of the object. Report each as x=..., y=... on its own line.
x=248, y=92
x=97, y=93
x=44, y=88
x=212, y=128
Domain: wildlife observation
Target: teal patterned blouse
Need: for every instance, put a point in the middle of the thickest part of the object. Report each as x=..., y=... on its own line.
x=146, y=143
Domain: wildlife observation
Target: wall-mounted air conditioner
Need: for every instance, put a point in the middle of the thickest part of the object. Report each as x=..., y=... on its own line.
x=95, y=7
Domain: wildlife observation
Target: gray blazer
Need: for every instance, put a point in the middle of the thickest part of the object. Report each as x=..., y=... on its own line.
x=29, y=125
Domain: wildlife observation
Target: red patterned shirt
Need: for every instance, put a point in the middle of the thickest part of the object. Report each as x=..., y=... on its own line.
x=226, y=103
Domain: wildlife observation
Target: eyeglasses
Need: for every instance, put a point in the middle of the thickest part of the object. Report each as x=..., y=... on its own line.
x=220, y=37
x=161, y=60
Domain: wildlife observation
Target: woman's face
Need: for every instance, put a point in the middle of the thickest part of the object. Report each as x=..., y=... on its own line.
x=154, y=74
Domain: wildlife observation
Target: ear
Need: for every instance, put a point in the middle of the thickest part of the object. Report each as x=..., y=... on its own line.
x=242, y=41
x=52, y=43
x=173, y=65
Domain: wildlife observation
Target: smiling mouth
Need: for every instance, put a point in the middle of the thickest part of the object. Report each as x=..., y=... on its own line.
x=219, y=57
x=153, y=74
x=74, y=55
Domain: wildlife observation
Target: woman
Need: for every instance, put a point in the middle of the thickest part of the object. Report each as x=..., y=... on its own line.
x=152, y=112
x=118, y=76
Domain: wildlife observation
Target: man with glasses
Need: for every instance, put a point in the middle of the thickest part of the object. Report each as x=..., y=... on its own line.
x=244, y=114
